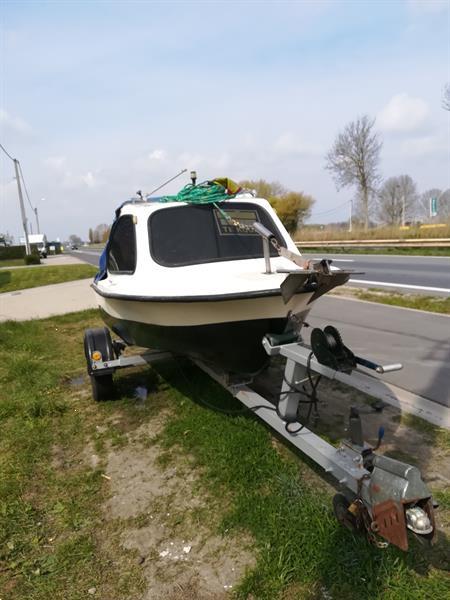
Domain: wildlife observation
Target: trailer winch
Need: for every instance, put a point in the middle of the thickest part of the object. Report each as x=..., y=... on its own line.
x=382, y=496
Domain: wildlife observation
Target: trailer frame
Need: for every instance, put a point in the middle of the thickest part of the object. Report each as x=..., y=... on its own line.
x=379, y=495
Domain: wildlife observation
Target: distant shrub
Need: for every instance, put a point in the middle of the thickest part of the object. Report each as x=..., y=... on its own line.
x=32, y=259
x=9, y=252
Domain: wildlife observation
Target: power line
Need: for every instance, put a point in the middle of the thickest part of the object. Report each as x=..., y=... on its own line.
x=6, y=152
x=25, y=187
x=324, y=212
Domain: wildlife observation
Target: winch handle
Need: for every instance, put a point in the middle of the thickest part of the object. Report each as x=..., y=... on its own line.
x=376, y=367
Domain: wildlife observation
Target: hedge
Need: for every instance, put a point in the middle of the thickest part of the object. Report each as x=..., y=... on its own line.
x=8, y=252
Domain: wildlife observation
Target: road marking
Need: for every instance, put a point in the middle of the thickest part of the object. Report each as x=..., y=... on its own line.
x=87, y=252
x=401, y=285
x=335, y=259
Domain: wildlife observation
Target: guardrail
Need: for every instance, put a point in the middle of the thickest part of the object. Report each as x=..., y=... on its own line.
x=390, y=243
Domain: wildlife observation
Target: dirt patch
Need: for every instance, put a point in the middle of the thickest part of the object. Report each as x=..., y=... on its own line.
x=400, y=441
x=168, y=524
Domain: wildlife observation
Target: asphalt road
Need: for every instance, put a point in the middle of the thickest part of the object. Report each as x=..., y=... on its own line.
x=88, y=255
x=425, y=274
x=386, y=334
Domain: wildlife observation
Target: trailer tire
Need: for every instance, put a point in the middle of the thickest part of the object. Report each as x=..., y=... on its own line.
x=102, y=387
x=342, y=514
x=99, y=339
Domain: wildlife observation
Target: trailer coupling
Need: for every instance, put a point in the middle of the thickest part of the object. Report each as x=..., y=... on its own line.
x=390, y=500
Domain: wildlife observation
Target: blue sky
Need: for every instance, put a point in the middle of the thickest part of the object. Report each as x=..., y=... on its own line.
x=99, y=99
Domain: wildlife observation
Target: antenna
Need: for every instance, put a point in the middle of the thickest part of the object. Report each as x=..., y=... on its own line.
x=166, y=182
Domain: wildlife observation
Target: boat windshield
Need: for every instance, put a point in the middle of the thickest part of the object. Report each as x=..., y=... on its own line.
x=196, y=234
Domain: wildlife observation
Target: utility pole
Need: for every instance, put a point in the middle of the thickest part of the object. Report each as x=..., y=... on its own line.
x=403, y=210
x=22, y=207
x=37, y=220
x=351, y=217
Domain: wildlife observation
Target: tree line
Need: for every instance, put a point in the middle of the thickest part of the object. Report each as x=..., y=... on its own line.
x=99, y=234
x=353, y=161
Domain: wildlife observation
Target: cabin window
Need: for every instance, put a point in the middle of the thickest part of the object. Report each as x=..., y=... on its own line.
x=189, y=235
x=122, y=246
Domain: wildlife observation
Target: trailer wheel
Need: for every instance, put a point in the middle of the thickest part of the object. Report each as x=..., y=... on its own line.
x=102, y=387
x=342, y=514
x=99, y=339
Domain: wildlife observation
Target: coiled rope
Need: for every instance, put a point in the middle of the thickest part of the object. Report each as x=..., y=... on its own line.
x=207, y=192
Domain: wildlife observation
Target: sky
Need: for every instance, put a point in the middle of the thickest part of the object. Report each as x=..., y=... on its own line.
x=101, y=99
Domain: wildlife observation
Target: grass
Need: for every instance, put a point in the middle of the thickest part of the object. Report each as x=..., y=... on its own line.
x=434, y=304
x=302, y=551
x=12, y=262
x=311, y=233
x=19, y=279
x=55, y=542
x=397, y=251
x=52, y=535
x=437, y=435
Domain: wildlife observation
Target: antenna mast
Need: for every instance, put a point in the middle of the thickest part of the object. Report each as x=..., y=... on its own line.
x=166, y=182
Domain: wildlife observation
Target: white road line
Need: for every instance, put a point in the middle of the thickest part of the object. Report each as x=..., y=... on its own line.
x=401, y=285
x=87, y=252
x=335, y=259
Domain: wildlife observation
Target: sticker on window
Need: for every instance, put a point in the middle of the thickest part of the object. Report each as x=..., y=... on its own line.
x=236, y=222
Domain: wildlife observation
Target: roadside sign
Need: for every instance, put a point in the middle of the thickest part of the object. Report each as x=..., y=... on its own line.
x=433, y=206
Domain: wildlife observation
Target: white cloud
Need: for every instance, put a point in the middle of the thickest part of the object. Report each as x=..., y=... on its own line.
x=89, y=179
x=69, y=180
x=157, y=155
x=16, y=124
x=403, y=114
x=424, y=145
x=153, y=161
x=290, y=144
x=55, y=162
x=207, y=164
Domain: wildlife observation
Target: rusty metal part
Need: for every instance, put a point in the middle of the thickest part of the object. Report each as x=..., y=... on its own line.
x=389, y=522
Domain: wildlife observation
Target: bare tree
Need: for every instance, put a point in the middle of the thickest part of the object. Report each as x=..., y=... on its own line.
x=397, y=200
x=100, y=233
x=353, y=160
x=444, y=206
x=75, y=239
x=446, y=97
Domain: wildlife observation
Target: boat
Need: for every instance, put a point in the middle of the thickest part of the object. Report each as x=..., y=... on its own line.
x=207, y=274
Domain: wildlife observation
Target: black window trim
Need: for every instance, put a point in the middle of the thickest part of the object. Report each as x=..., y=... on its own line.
x=275, y=231
x=113, y=228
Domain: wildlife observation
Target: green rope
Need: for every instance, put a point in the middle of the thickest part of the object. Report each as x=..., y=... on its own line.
x=207, y=192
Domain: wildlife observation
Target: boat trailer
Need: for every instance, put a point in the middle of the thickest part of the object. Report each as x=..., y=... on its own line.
x=381, y=496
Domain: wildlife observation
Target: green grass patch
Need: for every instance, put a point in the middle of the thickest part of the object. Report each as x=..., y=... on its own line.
x=438, y=435
x=53, y=538
x=434, y=304
x=12, y=262
x=438, y=251
x=19, y=279
x=55, y=542
x=300, y=547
